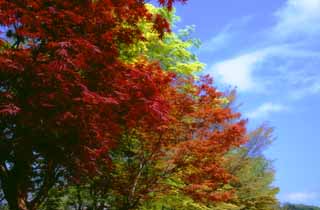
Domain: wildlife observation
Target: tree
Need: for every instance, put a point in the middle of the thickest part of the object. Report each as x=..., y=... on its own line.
x=182, y=161
x=253, y=173
x=298, y=207
x=65, y=94
x=172, y=51
x=139, y=164
x=251, y=183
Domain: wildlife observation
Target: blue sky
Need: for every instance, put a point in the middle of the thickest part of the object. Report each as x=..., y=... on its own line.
x=270, y=51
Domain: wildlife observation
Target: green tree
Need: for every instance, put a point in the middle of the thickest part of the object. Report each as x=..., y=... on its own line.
x=289, y=206
x=173, y=50
x=253, y=173
x=252, y=184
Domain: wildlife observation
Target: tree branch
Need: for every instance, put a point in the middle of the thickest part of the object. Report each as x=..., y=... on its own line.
x=3, y=171
x=48, y=182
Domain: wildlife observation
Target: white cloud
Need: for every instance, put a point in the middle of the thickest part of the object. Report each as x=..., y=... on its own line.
x=301, y=197
x=266, y=109
x=288, y=48
x=298, y=17
x=238, y=71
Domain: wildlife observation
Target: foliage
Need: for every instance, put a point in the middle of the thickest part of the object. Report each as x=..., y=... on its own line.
x=251, y=183
x=146, y=162
x=298, y=207
x=101, y=108
x=65, y=94
x=180, y=163
x=173, y=50
x=253, y=172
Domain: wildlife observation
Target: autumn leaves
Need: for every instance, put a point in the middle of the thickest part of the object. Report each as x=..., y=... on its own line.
x=103, y=112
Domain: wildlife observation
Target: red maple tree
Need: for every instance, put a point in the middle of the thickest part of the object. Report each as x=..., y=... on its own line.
x=208, y=129
x=187, y=150
x=64, y=94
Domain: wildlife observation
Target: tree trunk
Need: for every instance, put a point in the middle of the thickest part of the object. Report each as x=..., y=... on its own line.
x=16, y=200
x=22, y=204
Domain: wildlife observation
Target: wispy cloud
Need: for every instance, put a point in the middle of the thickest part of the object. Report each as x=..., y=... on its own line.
x=266, y=109
x=275, y=61
x=225, y=37
x=301, y=197
x=298, y=17
x=246, y=71
x=312, y=89
x=218, y=41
